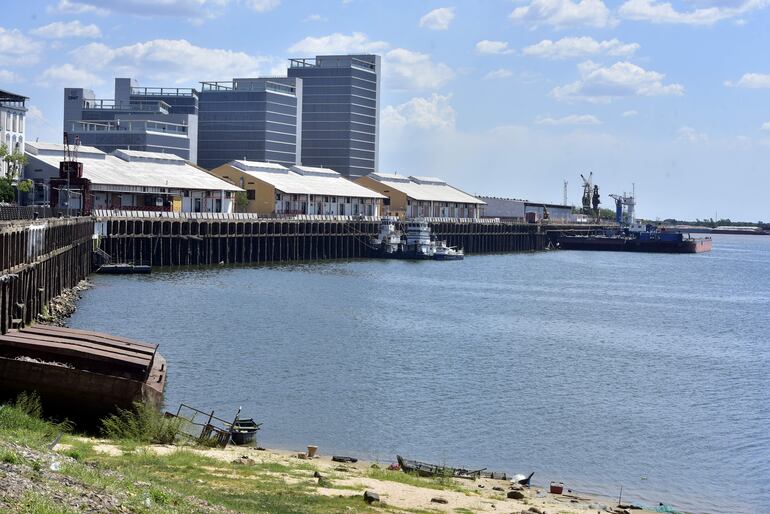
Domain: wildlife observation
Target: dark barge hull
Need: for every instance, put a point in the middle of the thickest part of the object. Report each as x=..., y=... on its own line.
x=624, y=244
x=80, y=375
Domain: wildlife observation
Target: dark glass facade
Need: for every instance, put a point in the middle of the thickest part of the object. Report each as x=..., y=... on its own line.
x=340, y=112
x=250, y=119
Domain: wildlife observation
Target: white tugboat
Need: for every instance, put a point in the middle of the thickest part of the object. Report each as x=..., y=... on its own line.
x=415, y=244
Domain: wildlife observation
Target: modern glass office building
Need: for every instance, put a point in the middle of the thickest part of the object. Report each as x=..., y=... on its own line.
x=137, y=118
x=254, y=119
x=340, y=112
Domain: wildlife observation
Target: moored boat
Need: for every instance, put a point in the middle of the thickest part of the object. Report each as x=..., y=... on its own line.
x=433, y=470
x=416, y=243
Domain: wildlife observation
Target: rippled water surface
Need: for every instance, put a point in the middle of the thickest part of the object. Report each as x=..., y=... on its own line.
x=596, y=369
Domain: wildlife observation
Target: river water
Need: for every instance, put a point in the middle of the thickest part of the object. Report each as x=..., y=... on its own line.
x=596, y=369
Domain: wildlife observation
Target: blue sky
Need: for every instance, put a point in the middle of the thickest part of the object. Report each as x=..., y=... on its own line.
x=506, y=98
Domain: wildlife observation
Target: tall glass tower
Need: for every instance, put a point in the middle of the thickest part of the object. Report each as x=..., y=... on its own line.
x=254, y=119
x=340, y=112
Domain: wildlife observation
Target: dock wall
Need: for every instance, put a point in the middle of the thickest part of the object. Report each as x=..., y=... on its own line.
x=38, y=261
x=180, y=242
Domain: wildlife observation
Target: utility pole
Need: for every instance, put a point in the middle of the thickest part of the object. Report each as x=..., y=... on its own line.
x=564, y=202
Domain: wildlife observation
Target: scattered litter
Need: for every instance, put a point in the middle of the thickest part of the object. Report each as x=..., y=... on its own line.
x=55, y=466
x=371, y=497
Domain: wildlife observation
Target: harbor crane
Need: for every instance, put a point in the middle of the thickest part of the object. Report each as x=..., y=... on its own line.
x=624, y=209
x=591, y=199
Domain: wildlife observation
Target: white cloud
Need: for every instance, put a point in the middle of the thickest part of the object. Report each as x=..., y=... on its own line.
x=657, y=12
x=751, y=81
x=765, y=126
x=629, y=114
x=565, y=13
x=9, y=77
x=17, y=49
x=70, y=7
x=402, y=69
x=338, y=43
x=405, y=69
x=60, y=29
x=175, y=60
x=568, y=47
x=493, y=47
x=263, y=5
x=572, y=119
x=314, y=18
x=438, y=19
x=191, y=9
x=603, y=84
x=499, y=73
x=67, y=75
x=691, y=135
x=34, y=113
x=433, y=112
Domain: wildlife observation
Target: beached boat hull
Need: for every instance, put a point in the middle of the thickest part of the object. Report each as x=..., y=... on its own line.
x=79, y=375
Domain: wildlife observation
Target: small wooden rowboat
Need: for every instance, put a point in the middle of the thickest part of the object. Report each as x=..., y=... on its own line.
x=424, y=469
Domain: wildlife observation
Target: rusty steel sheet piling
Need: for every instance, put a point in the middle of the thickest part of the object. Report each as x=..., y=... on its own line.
x=39, y=259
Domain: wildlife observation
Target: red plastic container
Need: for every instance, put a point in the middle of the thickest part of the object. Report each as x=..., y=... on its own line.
x=557, y=487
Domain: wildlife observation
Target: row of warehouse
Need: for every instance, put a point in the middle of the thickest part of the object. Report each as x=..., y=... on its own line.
x=152, y=181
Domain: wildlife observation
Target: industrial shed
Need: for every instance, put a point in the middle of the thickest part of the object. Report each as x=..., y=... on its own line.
x=126, y=180
x=273, y=189
x=422, y=197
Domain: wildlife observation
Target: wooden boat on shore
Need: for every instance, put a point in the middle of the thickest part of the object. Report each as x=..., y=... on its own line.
x=80, y=375
x=424, y=469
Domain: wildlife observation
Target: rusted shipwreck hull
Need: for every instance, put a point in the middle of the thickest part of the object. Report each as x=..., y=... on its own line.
x=78, y=374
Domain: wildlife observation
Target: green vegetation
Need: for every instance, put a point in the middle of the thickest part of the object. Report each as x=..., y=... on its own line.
x=14, y=162
x=441, y=483
x=142, y=481
x=142, y=424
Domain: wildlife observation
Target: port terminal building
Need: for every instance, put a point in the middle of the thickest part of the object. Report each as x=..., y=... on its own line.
x=422, y=197
x=125, y=180
x=275, y=190
x=513, y=209
x=149, y=119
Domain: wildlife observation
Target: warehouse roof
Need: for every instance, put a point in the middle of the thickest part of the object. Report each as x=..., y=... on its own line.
x=304, y=180
x=429, y=189
x=131, y=167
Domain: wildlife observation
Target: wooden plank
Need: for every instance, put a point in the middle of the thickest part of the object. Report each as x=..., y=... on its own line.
x=26, y=334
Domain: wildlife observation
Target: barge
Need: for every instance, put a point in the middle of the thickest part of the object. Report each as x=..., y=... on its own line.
x=647, y=241
x=80, y=375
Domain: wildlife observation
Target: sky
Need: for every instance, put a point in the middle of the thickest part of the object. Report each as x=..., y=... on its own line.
x=498, y=97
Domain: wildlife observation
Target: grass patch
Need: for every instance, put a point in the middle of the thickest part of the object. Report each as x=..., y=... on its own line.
x=439, y=483
x=9, y=457
x=142, y=424
x=40, y=504
x=22, y=422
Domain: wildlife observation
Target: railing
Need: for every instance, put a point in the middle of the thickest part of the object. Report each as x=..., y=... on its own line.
x=29, y=212
x=163, y=91
x=127, y=126
x=104, y=104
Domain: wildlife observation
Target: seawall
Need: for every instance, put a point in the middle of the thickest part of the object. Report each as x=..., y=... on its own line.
x=234, y=240
x=38, y=261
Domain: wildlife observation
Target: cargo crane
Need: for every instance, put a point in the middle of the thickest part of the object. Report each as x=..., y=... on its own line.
x=624, y=209
x=591, y=199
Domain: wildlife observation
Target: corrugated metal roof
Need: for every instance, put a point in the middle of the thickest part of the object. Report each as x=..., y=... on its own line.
x=427, y=189
x=325, y=181
x=143, y=169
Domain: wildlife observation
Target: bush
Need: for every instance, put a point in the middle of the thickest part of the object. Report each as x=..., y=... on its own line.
x=142, y=424
x=24, y=415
